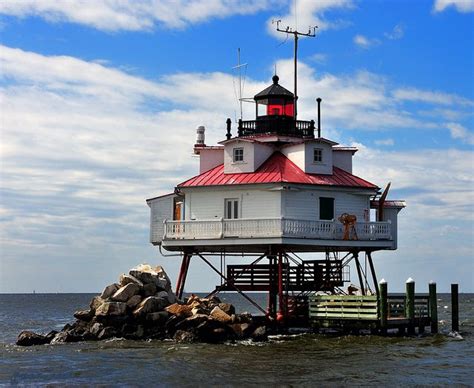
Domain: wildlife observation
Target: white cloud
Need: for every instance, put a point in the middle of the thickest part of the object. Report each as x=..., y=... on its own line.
x=432, y=97
x=131, y=15
x=385, y=142
x=463, y=6
x=364, y=42
x=397, y=32
x=438, y=185
x=303, y=14
x=460, y=132
x=319, y=58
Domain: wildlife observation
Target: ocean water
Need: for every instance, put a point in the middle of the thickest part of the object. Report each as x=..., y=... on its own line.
x=303, y=360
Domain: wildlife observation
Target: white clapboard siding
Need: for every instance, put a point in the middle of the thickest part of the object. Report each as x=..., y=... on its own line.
x=300, y=205
x=161, y=209
x=208, y=205
x=261, y=204
x=304, y=204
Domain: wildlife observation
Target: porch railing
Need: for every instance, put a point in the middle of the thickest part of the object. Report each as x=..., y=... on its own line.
x=271, y=227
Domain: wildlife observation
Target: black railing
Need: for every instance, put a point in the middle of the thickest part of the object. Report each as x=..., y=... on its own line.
x=314, y=275
x=276, y=125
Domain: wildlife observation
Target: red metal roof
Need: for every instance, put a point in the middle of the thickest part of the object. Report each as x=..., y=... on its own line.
x=277, y=169
x=394, y=203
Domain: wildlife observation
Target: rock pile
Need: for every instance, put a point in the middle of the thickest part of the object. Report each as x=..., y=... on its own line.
x=142, y=305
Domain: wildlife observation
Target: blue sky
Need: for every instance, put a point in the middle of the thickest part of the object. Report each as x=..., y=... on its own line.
x=100, y=101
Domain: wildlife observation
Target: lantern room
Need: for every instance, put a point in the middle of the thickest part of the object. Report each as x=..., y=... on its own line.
x=275, y=115
x=274, y=101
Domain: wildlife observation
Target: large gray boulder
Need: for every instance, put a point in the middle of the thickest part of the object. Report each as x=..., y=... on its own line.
x=168, y=295
x=28, y=338
x=108, y=309
x=149, y=289
x=125, y=279
x=157, y=318
x=126, y=292
x=96, y=328
x=133, y=331
x=107, y=332
x=84, y=315
x=259, y=334
x=156, y=275
x=151, y=304
x=66, y=336
x=191, y=322
x=241, y=330
x=109, y=291
x=96, y=302
x=134, y=301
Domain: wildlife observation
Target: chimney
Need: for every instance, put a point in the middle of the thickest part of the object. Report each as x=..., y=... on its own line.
x=200, y=137
x=319, y=116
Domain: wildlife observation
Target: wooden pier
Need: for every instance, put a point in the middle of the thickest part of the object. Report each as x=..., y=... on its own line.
x=379, y=314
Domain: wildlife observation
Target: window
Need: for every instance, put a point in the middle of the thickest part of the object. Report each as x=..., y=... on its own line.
x=238, y=155
x=326, y=208
x=231, y=208
x=318, y=155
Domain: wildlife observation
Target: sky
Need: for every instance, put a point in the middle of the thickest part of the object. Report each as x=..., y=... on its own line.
x=99, y=102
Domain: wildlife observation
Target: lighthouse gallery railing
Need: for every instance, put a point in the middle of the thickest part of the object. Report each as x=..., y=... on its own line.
x=271, y=227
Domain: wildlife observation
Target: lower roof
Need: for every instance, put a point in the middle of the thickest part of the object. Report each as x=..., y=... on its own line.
x=277, y=169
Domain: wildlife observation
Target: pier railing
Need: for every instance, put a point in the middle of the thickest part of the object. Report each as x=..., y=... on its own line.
x=377, y=312
x=271, y=227
x=351, y=307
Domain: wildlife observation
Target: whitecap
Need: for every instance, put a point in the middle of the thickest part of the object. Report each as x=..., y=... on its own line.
x=115, y=339
x=455, y=335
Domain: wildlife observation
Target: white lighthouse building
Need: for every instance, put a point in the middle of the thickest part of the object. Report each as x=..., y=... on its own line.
x=276, y=189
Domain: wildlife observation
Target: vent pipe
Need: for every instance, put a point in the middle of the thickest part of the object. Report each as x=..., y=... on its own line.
x=228, y=134
x=319, y=116
x=200, y=136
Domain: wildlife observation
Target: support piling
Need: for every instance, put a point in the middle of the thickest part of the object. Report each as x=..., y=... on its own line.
x=383, y=305
x=182, y=275
x=433, y=302
x=359, y=273
x=372, y=270
x=410, y=305
x=455, y=307
x=280, y=315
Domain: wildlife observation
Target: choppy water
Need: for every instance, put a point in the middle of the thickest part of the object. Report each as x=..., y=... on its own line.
x=306, y=360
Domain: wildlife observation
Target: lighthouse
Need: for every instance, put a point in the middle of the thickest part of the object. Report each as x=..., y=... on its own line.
x=286, y=200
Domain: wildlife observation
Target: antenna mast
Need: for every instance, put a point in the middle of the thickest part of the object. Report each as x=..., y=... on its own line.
x=311, y=33
x=239, y=67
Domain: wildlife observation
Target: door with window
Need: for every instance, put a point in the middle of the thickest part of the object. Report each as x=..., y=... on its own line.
x=231, y=209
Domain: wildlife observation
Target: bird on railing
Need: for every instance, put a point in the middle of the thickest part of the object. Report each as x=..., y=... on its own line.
x=349, y=221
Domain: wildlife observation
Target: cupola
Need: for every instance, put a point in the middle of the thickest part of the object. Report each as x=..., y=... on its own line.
x=275, y=115
x=275, y=101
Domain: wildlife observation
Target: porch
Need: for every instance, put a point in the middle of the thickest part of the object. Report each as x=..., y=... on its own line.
x=220, y=229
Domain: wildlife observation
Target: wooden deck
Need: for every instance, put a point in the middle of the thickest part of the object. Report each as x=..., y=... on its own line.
x=364, y=312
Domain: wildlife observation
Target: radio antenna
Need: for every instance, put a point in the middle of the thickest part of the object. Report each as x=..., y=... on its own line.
x=296, y=34
x=239, y=68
